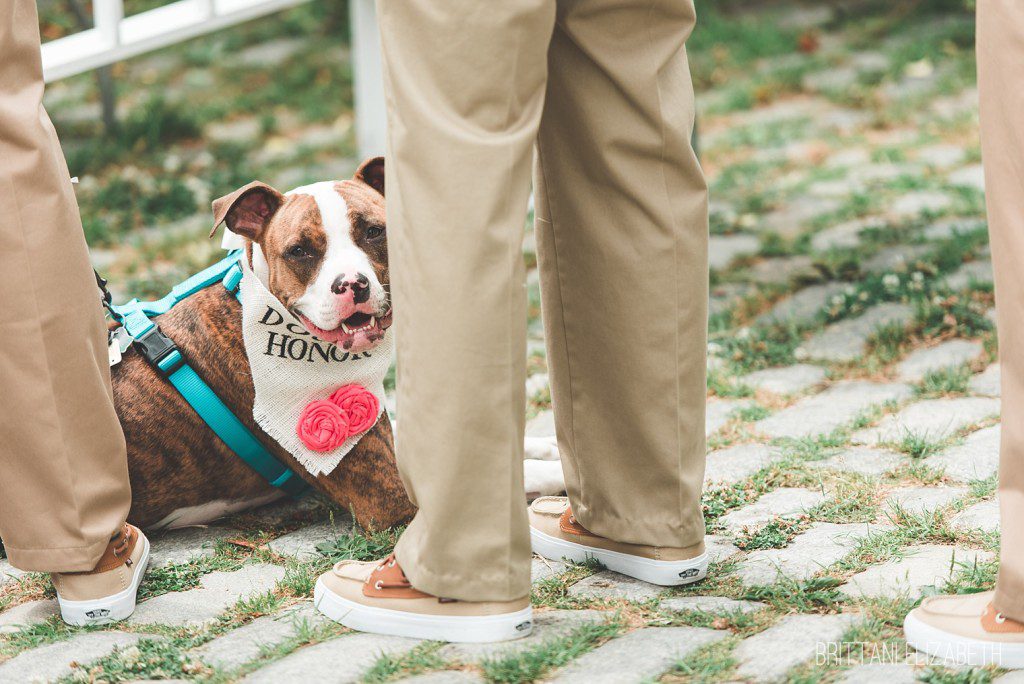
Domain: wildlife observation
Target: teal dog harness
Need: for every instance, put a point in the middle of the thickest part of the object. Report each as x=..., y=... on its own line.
x=161, y=352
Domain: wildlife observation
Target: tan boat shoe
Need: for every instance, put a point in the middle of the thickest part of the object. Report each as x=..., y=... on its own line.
x=106, y=593
x=556, y=534
x=377, y=597
x=966, y=629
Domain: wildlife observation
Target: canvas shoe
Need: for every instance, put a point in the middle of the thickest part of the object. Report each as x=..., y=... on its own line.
x=377, y=597
x=106, y=593
x=556, y=534
x=966, y=629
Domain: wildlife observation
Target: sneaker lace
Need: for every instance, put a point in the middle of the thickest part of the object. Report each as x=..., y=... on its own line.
x=391, y=562
x=123, y=538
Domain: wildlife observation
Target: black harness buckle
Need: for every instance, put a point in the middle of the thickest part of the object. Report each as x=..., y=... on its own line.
x=156, y=347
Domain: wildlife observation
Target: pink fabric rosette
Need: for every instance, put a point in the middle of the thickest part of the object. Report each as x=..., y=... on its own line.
x=325, y=424
x=360, y=405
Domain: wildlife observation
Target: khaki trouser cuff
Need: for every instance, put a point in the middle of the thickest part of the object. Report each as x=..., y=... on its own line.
x=678, y=534
x=68, y=559
x=1009, y=603
x=467, y=585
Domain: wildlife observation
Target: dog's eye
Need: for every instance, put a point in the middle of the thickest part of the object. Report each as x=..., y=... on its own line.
x=374, y=232
x=298, y=251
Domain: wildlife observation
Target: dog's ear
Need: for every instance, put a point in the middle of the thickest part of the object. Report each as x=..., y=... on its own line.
x=248, y=210
x=371, y=172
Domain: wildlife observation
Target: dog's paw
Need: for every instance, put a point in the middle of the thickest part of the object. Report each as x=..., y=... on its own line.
x=541, y=449
x=543, y=478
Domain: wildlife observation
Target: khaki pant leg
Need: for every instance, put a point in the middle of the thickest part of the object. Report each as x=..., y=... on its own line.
x=622, y=235
x=464, y=83
x=1000, y=38
x=64, y=486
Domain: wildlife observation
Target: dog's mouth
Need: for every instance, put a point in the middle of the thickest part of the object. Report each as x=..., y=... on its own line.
x=358, y=322
x=358, y=332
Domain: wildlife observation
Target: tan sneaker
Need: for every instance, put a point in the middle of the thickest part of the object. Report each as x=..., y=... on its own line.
x=966, y=629
x=107, y=593
x=377, y=597
x=556, y=534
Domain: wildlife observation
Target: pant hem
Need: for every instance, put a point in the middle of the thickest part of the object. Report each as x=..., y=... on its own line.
x=473, y=587
x=667, y=534
x=1009, y=604
x=64, y=559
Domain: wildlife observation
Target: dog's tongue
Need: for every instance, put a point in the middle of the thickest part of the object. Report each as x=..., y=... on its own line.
x=332, y=336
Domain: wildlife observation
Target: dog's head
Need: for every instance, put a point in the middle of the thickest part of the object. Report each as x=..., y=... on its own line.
x=321, y=249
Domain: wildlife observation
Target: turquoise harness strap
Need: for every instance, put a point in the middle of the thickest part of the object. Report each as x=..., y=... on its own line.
x=231, y=430
x=200, y=281
x=164, y=355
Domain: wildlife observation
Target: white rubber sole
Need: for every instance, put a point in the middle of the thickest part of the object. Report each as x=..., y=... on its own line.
x=660, y=572
x=112, y=608
x=935, y=642
x=457, y=628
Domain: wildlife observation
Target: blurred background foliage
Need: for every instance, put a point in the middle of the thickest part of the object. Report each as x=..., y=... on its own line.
x=155, y=138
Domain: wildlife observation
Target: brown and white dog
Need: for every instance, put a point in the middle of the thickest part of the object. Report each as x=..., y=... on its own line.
x=321, y=249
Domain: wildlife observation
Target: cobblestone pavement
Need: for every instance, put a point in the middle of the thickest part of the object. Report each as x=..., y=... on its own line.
x=853, y=407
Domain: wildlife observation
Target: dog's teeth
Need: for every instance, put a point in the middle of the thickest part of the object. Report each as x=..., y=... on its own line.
x=345, y=328
x=373, y=322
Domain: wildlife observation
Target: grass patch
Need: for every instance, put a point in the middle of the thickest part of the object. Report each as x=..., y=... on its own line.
x=761, y=347
x=918, y=445
x=955, y=315
x=423, y=658
x=34, y=585
x=711, y=663
x=908, y=529
x=919, y=528
x=724, y=385
x=362, y=547
x=870, y=416
x=815, y=595
x=971, y=577
x=306, y=632
x=51, y=630
x=185, y=576
x=300, y=578
x=852, y=499
x=750, y=414
x=775, y=535
x=716, y=502
x=531, y=665
x=939, y=675
x=553, y=592
x=880, y=629
x=945, y=382
x=147, y=659
x=737, y=621
x=983, y=489
x=812, y=448
x=886, y=343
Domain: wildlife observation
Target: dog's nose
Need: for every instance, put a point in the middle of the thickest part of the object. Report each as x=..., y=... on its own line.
x=359, y=284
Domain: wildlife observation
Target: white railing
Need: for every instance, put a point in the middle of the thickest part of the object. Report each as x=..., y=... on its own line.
x=116, y=37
